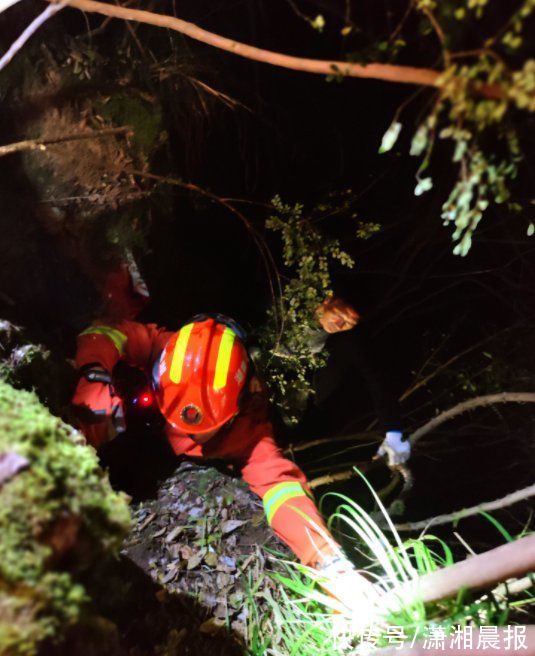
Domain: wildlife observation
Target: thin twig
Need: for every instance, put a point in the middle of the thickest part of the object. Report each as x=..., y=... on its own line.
x=340, y=476
x=41, y=144
x=402, y=22
x=487, y=506
x=472, y=404
x=449, y=362
x=439, y=32
x=267, y=258
x=293, y=448
x=28, y=32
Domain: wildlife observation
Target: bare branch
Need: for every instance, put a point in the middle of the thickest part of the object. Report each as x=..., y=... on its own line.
x=28, y=32
x=354, y=437
x=341, y=476
x=472, y=404
x=387, y=72
x=481, y=571
x=41, y=144
x=503, y=502
x=5, y=4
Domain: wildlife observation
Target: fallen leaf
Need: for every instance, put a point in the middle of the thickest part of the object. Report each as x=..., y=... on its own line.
x=146, y=522
x=195, y=560
x=211, y=559
x=171, y=573
x=173, y=534
x=159, y=532
x=186, y=552
x=226, y=564
x=212, y=626
x=231, y=525
x=240, y=628
x=235, y=599
x=174, y=550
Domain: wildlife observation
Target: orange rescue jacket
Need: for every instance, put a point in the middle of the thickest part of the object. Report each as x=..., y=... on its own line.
x=248, y=442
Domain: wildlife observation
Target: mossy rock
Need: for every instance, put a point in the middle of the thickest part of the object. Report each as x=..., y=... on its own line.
x=58, y=518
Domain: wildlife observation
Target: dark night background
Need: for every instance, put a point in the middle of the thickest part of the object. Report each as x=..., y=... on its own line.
x=302, y=137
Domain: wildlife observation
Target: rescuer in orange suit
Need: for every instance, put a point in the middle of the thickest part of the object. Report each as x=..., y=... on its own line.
x=214, y=407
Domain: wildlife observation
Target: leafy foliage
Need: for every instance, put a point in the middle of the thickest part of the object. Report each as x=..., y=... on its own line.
x=478, y=94
x=307, y=255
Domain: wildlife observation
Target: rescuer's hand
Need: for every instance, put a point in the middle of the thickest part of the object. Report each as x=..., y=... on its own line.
x=98, y=410
x=336, y=315
x=394, y=449
x=339, y=577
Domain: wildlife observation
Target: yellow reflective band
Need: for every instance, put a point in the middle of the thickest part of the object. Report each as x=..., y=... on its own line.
x=175, y=373
x=280, y=494
x=223, y=358
x=118, y=338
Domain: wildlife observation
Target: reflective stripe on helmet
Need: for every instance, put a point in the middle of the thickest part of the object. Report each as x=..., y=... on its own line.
x=175, y=373
x=118, y=338
x=223, y=358
x=279, y=494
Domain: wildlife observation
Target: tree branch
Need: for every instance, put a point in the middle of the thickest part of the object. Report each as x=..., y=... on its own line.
x=481, y=571
x=471, y=404
x=41, y=144
x=28, y=32
x=503, y=502
x=4, y=4
x=386, y=72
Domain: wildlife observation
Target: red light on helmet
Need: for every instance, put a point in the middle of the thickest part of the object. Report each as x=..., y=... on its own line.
x=145, y=400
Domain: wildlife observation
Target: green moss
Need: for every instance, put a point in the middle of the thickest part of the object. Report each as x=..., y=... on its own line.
x=39, y=593
x=145, y=119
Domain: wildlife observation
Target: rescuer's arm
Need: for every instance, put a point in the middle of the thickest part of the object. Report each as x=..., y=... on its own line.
x=99, y=348
x=288, y=503
x=295, y=519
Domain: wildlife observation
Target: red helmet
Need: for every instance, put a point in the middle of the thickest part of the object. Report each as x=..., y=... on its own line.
x=202, y=372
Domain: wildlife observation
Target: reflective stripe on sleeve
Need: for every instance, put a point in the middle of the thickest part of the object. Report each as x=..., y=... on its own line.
x=118, y=338
x=279, y=494
x=223, y=358
x=175, y=373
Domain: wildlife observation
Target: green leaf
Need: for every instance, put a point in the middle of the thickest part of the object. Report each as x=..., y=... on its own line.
x=531, y=229
x=318, y=23
x=425, y=184
x=390, y=137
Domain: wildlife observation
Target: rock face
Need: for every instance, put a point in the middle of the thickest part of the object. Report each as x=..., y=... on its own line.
x=58, y=518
